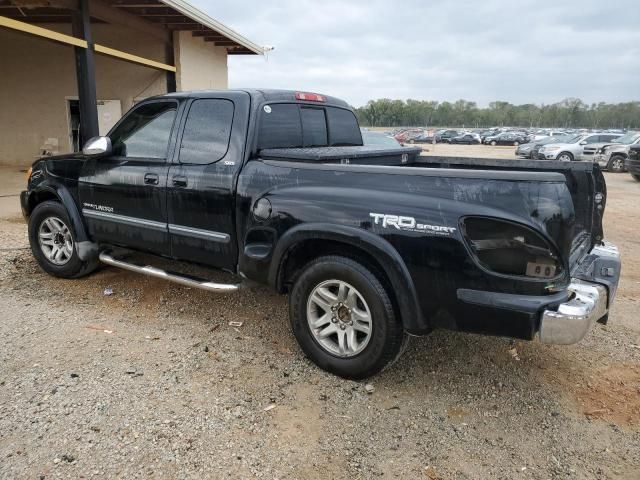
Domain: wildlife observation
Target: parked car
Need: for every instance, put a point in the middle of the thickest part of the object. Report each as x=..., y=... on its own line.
x=277, y=188
x=444, y=136
x=489, y=133
x=540, y=134
x=612, y=155
x=506, y=138
x=572, y=150
x=466, y=139
x=409, y=136
x=632, y=163
x=378, y=139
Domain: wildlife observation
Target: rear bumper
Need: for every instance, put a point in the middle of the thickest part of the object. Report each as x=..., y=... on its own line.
x=593, y=290
x=571, y=321
x=560, y=318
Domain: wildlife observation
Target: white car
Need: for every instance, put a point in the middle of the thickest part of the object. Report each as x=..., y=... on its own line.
x=572, y=149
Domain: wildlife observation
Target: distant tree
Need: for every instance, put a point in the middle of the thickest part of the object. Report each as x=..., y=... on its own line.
x=568, y=113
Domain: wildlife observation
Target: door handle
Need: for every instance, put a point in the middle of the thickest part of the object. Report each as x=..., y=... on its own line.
x=179, y=181
x=150, y=179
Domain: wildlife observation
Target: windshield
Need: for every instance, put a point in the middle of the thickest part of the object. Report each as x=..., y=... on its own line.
x=373, y=138
x=627, y=139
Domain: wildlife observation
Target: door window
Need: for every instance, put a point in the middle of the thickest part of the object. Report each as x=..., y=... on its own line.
x=207, y=131
x=145, y=132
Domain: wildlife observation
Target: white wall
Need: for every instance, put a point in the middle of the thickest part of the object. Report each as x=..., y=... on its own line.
x=201, y=65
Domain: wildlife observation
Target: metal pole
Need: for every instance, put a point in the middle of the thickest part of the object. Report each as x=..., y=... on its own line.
x=85, y=73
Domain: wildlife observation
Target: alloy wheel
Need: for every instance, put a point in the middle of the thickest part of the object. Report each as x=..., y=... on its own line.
x=339, y=318
x=55, y=240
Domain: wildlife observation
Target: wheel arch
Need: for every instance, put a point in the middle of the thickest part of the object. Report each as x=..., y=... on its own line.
x=84, y=245
x=306, y=242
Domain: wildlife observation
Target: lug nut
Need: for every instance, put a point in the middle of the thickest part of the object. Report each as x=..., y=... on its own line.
x=342, y=327
x=333, y=320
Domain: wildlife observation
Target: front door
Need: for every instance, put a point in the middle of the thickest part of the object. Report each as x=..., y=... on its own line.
x=123, y=196
x=201, y=182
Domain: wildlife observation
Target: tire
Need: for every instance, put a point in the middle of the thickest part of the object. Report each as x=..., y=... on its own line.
x=50, y=224
x=616, y=164
x=493, y=143
x=636, y=177
x=321, y=282
x=565, y=157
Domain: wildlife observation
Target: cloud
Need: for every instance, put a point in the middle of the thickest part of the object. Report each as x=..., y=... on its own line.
x=536, y=51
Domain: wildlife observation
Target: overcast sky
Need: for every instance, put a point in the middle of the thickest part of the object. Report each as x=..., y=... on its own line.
x=518, y=51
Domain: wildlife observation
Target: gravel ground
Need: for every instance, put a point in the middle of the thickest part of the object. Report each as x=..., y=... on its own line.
x=153, y=382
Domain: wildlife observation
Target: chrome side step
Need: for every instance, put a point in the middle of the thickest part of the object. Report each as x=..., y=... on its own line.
x=105, y=257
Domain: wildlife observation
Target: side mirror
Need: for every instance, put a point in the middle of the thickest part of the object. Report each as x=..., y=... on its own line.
x=97, y=146
x=584, y=142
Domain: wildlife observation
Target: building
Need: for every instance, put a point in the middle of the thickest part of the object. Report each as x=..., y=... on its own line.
x=71, y=68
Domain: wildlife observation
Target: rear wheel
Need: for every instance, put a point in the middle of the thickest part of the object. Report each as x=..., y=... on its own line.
x=53, y=243
x=493, y=143
x=565, y=157
x=343, y=318
x=616, y=164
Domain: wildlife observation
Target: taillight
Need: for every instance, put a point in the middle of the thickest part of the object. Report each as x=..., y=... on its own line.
x=310, y=97
x=510, y=249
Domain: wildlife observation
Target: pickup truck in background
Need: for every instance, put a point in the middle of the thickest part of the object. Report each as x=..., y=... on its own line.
x=372, y=243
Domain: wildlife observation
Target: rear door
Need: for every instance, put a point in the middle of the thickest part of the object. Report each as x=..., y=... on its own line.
x=201, y=181
x=123, y=196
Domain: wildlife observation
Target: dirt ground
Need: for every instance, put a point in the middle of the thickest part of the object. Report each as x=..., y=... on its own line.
x=153, y=382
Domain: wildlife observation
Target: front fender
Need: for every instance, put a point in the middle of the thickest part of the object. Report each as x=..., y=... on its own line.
x=385, y=254
x=85, y=247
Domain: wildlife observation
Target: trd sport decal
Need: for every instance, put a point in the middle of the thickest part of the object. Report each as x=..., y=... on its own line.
x=409, y=224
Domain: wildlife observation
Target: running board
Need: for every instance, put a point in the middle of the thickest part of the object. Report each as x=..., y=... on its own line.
x=105, y=257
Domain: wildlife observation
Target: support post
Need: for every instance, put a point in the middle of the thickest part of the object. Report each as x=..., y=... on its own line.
x=170, y=60
x=85, y=73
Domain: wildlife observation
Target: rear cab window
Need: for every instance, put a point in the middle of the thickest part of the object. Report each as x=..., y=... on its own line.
x=296, y=125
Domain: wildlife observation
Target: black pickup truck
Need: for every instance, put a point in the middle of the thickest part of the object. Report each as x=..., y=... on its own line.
x=371, y=244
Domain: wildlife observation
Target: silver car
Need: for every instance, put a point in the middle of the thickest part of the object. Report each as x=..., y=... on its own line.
x=573, y=149
x=613, y=155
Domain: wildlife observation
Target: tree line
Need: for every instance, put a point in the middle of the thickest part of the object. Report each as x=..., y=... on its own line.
x=569, y=113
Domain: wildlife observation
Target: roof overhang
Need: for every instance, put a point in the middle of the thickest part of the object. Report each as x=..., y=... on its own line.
x=161, y=16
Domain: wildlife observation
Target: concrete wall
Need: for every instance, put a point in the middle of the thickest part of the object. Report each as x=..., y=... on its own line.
x=201, y=65
x=37, y=76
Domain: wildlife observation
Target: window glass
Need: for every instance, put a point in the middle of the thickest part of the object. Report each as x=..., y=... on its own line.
x=592, y=139
x=343, y=128
x=280, y=126
x=145, y=132
x=207, y=131
x=314, y=127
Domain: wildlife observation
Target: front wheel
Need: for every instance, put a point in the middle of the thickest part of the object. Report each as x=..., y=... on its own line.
x=53, y=244
x=565, y=157
x=616, y=164
x=343, y=318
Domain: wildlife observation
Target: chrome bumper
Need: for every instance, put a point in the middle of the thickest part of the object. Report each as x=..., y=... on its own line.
x=592, y=295
x=573, y=319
